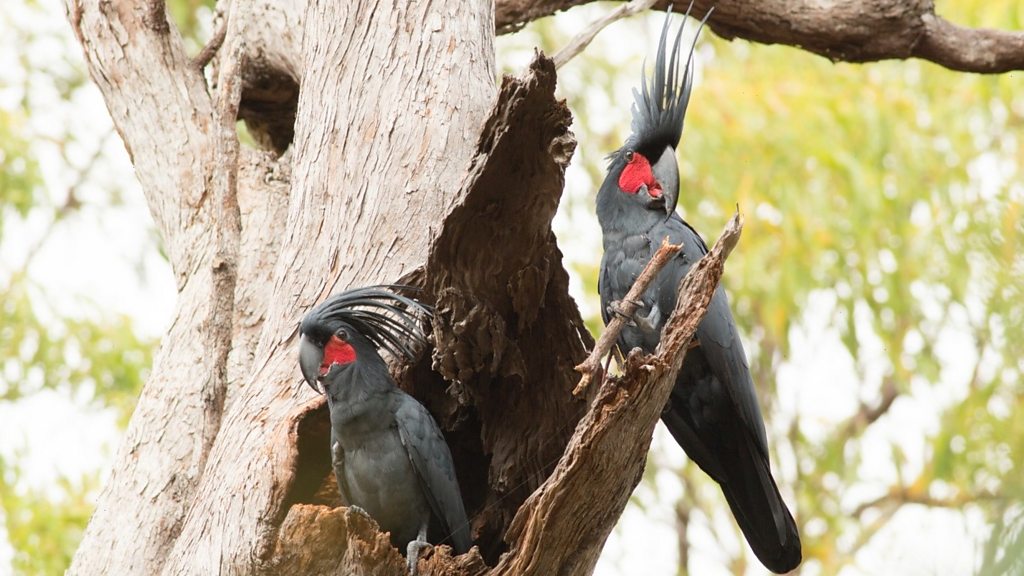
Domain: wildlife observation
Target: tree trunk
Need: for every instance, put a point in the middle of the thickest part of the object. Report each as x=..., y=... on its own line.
x=400, y=160
x=402, y=168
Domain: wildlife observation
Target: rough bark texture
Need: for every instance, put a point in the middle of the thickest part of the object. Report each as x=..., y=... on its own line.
x=864, y=31
x=399, y=161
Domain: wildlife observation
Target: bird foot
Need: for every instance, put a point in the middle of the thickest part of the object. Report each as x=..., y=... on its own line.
x=647, y=323
x=412, y=554
x=615, y=307
x=357, y=510
x=694, y=343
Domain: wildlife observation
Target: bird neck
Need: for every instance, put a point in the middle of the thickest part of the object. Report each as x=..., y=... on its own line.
x=359, y=390
x=619, y=216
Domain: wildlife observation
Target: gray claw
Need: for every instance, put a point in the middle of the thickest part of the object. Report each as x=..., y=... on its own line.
x=615, y=308
x=357, y=510
x=412, y=554
x=649, y=322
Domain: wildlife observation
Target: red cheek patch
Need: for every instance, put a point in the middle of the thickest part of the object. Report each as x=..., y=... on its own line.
x=336, y=351
x=637, y=173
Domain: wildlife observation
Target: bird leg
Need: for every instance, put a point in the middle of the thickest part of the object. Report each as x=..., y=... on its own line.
x=412, y=552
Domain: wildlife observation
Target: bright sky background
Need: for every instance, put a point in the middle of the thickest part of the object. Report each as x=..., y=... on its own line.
x=107, y=257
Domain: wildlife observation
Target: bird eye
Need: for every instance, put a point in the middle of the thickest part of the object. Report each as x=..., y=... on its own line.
x=629, y=156
x=342, y=335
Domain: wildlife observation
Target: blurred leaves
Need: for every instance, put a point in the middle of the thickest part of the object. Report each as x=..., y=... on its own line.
x=102, y=360
x=189, y=16
x=883, y=203
x=77, y=352
x=19, y=173
x=44, y=524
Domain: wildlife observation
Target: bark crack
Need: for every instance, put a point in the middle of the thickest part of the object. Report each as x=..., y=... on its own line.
x=227, y=231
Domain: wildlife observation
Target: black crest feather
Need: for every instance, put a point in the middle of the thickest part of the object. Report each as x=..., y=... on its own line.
x=385, y=317
x=659, y=110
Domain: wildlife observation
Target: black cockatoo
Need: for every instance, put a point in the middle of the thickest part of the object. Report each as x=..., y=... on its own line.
x=713, y=411
x=389, y=457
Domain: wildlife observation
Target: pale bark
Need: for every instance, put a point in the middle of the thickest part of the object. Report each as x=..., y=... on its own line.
x=405, y=163
x=165, y=117
x=197, y=489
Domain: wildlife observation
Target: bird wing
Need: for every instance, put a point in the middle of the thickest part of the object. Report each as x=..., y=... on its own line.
x=723, y=350
x=603, y=288
x=338, y=463
x=719, y=340
x=432, y=461
x=620, y=267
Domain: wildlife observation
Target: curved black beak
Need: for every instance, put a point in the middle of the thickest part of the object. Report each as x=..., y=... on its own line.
x=666, y=172
x=310, y=358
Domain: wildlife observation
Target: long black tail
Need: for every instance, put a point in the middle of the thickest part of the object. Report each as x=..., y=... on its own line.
x=759, y=510
x=746, y=480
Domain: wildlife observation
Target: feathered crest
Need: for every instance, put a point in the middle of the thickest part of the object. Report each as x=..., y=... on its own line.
x=388, y=319
x=658, y=111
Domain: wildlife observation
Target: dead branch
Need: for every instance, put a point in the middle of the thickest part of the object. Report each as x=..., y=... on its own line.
x=970, y=49
x=592, y=365
x=210, y=49
x=583, y=39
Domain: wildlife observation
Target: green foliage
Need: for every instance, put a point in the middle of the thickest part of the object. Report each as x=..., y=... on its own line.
x=90, y=356
x=892, y=193
x=44, y=525
x=105, y=360
x=188, y=15
x=18, y=172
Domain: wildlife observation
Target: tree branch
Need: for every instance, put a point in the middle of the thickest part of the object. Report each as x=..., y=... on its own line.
x=898, y=495
x=867, y=415
x=227, y=231
x=162, y=110
x=628, y=306
x=580, y=42
x=970, y=49
x=210, y=49
x=562, y=526
x=841, y=31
